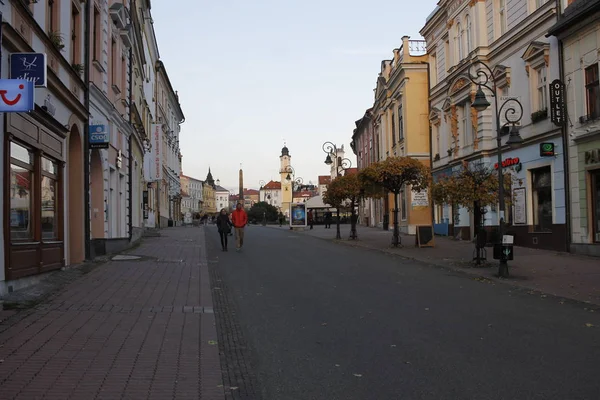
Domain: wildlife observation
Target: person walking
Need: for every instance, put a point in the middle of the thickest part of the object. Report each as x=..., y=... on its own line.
x=224, y=226
x=239, y=218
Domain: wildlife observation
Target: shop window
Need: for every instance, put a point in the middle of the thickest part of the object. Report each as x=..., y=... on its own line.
x=49, y=194
x=595, y=175
x=21, y=192
x=542, y=199
x=592, y=91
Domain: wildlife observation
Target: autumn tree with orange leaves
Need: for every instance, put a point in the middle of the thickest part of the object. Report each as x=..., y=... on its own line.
x=341, y=190
x=393, y=174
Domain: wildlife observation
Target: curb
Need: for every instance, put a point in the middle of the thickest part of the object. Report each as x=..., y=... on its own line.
x=529, y=290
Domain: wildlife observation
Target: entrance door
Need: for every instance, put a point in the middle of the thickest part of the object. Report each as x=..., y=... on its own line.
x=596, y=205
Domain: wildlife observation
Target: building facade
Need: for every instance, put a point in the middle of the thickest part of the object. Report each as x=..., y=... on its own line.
x=109, y=112
x=221, y=197
x=270, y=193
x=209, y=195
x=578, y=30
x=43, y=150
x=169, y=117
x=512, y=42
x=191, y=194
x=364, y=146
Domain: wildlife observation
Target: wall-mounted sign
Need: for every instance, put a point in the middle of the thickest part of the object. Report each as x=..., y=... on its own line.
x=509, y=162
x=49, y=106
x=99, y=137
x=557, y=102
x=156, y=153
x=16, y=95
x=547, y=150
x=30, y=67
x=592, y=157
x=419, y=200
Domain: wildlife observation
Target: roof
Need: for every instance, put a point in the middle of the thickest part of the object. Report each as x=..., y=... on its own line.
x=306, y=194
x=220, y=189
x=351, y=171
x=251, y=192
x=272, y=185
x=575, y=12
x=316, y=202
x=324, y=179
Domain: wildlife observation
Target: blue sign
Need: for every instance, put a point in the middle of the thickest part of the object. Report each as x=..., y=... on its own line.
x=30, y=67
x=16, y=95
x=99, y=137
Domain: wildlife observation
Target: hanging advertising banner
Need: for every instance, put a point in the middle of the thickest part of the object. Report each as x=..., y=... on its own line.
x=16, y=95
x=30, y=67
x=298, y=215
x=558, y=113
x=99, y=137
x=156, y=153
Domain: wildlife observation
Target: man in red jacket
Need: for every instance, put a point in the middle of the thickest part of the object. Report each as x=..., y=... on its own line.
x=239, y=218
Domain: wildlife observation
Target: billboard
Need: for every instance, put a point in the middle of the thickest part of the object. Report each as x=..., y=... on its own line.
x=298, y=215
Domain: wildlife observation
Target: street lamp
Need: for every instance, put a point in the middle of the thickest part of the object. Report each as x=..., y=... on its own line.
x=297, y=181
x=341, y=165
x=513, y=112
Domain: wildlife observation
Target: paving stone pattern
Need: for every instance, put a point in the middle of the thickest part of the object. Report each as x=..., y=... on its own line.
x=239, y=379
x=128, y=329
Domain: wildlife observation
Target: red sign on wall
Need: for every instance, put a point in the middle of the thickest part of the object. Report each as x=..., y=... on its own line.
x=509, y=162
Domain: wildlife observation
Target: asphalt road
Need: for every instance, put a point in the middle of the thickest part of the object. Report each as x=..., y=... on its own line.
x=330, y=321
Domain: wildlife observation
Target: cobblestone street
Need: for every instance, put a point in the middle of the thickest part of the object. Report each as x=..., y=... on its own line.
x=135, y=329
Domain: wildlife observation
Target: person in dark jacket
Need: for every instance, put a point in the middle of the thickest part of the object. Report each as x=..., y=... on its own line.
x=224, y=227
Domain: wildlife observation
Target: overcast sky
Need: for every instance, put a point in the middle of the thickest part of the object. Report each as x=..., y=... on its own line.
x=253, y=74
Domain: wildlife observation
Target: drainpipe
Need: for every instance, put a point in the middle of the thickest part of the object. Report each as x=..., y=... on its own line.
x=130, y=144
x=430, y=138
x=86, y=133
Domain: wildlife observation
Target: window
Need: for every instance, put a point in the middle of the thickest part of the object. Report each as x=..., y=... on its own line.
x=97, y=35
x=592, y=91
x=114, y=63
x=448, y=58
x=404, y=206
x=542, y=199
x=541, y=88
x=459, y=41
x=464, y=124
x=49, y=203
x=52, y=15
x=469, y=34
x=75, y=37
x=393, y=129
x=595, y=175
x=400, y=123
x=21, y=192
x=123, y=73
x=502, y=17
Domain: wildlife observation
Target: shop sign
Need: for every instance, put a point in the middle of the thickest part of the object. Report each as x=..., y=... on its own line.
x=557, y=102
x=99, y=137
x=547, y=150
x=509, y=162
x=30, y=67
x=592, y=156
x=16, y=95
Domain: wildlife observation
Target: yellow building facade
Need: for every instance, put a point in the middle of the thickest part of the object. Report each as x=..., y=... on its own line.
x=209, y=195
x=401, y=111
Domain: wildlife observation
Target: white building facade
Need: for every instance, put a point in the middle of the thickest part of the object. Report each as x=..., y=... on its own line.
x=270, y=193
x=510, y=38
x=578, y=30
x=221, y=197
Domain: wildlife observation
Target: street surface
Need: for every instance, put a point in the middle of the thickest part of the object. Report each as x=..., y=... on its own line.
x=319, y=320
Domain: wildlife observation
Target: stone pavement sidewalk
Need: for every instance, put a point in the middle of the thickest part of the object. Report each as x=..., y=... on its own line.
x=555, y=273
x=140, y=328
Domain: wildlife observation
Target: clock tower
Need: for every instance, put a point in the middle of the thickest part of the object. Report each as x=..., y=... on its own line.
x=286, y=185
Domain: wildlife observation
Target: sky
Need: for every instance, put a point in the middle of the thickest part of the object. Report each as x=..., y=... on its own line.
x=252, y=75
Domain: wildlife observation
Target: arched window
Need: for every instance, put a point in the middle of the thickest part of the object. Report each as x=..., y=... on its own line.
x=459, y=41
x=469, y=34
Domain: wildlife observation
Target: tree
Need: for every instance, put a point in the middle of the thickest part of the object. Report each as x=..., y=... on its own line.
x=262, y=210
x=345, y=188
x=474, y=186
x=394, y=174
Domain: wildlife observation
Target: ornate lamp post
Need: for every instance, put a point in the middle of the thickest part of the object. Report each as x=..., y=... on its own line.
x=291, y=176
x=341, y=165
x=513, y=112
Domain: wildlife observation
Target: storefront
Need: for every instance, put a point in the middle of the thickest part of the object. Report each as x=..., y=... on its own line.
x=536, y=215
x=34, y=173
